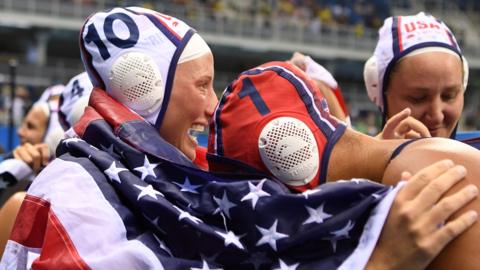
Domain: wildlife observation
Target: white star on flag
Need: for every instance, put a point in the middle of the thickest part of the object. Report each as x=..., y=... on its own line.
x=357, y=181
x=93, y=147
x=308, y=192
x=110, y=149
x=284, y=266
x=316, y=215
x=162, y=245
x=73, y=139
x=340, y=234
x=377, y=196
x=224, y=204
x=205, y=267
x=147, y=168
x=343, y=232
x=270, y=235
x=231, y=238
x=257, y=259
x=148, y=191
x=187, y=215
x=187, y=186
x=255, y=193
x=155, y=221
x=113, y=172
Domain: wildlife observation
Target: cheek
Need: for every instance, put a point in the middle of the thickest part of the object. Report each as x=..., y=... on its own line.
x=454, y=112
x=196, y=105
x=397, y=104
x=454, y=109
x=418, y=111
x=35, y=136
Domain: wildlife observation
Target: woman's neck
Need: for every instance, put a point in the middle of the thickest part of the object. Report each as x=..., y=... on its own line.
x=360, y=156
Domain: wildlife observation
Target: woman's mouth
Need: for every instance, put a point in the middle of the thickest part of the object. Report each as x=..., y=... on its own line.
x=194, y=131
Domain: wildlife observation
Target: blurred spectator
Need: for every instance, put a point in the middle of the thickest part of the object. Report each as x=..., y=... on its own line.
x=367, y=122
x=21, y=103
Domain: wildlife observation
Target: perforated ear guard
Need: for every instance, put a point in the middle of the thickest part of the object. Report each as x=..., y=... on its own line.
x=370, y=77
x=136, y=81
x=114, y=40
x=289, y=150
x=466, y=71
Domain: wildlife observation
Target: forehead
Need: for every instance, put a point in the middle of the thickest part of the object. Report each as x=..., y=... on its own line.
x=36, y=117
x=431, y=62
x=199, y=67
x=427, y=69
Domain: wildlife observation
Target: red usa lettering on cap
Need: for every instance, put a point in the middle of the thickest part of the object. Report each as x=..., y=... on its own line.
x=412, y=26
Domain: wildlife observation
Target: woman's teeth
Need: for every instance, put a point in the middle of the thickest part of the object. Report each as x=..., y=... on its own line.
x=195, y=130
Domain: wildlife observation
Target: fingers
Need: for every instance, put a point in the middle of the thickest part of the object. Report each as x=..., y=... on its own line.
x=21, y=153
x=27, y=155
x=406, y=176
x=403, y=126
x=44, y=153
x=437, y=188
x=450, y=205
x=34, y=156
x=298, y=59
x=451, y=230
x=392, y=123
x=422, y=178
x=411, y=135
x=412, y=128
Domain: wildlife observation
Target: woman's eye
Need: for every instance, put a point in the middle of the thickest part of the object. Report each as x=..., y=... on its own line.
x=449, y=96
x=204, y=86
x=417, y=99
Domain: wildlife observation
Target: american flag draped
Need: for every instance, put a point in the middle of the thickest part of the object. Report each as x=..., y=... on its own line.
x=176, y=216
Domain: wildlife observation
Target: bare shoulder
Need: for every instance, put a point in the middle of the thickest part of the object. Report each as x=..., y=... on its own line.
x=462, y=252
x=424, y=152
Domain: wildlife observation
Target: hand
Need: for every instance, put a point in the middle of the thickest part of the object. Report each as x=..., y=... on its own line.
x=298, y=59
x=403, y=126
x=36, y=156
x=417, y=228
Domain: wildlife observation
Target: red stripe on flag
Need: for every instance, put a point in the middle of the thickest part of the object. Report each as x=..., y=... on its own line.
x=31, y=221
x=110, y=109
x=88, y=117
x=201, y=158
x=58, y=251
x=38, y=227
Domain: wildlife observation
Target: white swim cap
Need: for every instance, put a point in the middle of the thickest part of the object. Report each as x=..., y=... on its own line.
x=404, y=36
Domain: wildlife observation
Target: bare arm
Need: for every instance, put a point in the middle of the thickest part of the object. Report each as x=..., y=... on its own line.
x=461, y=252
x=8, y=214
x=410, y=238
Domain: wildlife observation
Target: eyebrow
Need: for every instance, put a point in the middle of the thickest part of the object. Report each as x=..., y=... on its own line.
x=32, y=124
x=205, y=77
x=424, y=90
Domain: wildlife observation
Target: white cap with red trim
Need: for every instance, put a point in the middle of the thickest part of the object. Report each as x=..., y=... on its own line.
x=401, y=36
x=132, y=53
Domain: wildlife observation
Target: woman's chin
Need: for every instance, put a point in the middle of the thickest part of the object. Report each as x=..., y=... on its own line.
x=189, y=146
